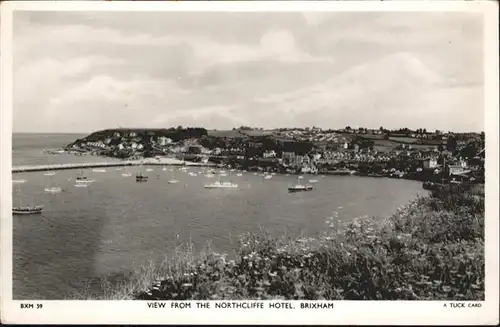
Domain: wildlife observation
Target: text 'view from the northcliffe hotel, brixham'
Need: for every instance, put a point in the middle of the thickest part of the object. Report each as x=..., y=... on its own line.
x=241, y=305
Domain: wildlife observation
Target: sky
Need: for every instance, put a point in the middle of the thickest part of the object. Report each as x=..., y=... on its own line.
x=85, y=71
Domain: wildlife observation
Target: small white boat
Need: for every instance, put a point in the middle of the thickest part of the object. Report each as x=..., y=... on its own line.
x=255, y=173
x=173, y=181
x=268, y=176
x=50, y=173
x=81, y=185
x=164, y=169
x=209, y=175
x=287, y=174
x=219, y=184
x=53, y=190
x=118, y=169
x=300, y=177
x=232, y=170
x=126, y=174
x=313, y=181
x=223, y=174
x=273, y=174
x=193, y=174
x=80, y=180
x=18, y=181
x=149, y=169
x=99, y=170
x=239, y=175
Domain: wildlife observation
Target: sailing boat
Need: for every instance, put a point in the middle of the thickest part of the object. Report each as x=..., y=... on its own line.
x=82, y=180
x=299, y=187
x=173, y=180
x=126, y=173
x=53, y=189
x=25, y=210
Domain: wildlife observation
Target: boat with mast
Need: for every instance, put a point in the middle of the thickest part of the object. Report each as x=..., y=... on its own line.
x=25, y=210
x=173, y=180
x=52, y=189
x=82, y=179
x=126, y=173
x=299, y=187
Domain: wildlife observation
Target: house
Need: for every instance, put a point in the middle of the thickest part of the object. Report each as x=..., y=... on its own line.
x=316, y=156
x=116, y=134
x=269, y=154
x=132, y=134
x=164, y=140
x=430, y=163
x=288, y=155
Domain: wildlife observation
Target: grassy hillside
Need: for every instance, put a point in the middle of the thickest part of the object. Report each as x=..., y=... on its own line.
x=431, y=249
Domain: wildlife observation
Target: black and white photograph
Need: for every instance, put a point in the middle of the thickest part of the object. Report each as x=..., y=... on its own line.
x=250, y=158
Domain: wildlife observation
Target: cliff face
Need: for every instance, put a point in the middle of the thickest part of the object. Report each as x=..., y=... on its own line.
x=141, y=134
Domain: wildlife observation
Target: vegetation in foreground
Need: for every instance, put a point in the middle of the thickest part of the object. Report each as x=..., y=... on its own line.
x=431, y=249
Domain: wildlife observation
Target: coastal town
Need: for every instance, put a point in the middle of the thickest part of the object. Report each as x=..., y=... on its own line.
x=429, y=156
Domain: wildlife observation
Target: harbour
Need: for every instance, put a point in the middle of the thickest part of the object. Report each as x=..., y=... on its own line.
x=85, y=234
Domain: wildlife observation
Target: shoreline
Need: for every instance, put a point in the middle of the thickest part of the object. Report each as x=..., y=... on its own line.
x=149, y=162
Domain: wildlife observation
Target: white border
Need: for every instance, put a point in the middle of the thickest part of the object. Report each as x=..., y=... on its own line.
x=345, y=312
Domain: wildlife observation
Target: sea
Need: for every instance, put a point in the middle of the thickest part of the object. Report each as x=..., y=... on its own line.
x=115, y=225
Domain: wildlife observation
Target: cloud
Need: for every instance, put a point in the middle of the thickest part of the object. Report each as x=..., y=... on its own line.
x=224, y=69
x=399, y=86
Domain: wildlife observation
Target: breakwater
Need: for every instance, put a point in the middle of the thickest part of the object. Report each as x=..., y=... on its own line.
x=158, y=162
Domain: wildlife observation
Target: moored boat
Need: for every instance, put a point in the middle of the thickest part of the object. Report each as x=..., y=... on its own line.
x=27, y=210
x=300, y=188
x=99, y=170
x=219, y=184
x=141, y=178
x=53, y=189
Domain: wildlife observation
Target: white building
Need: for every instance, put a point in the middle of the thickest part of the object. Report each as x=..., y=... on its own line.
x=164, y=141
x=430, y=163
x=269, y=154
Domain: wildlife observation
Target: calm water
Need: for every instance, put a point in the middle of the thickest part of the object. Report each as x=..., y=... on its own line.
x=116, y=223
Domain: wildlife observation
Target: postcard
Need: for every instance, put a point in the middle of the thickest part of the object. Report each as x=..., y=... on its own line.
x=249, y=162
